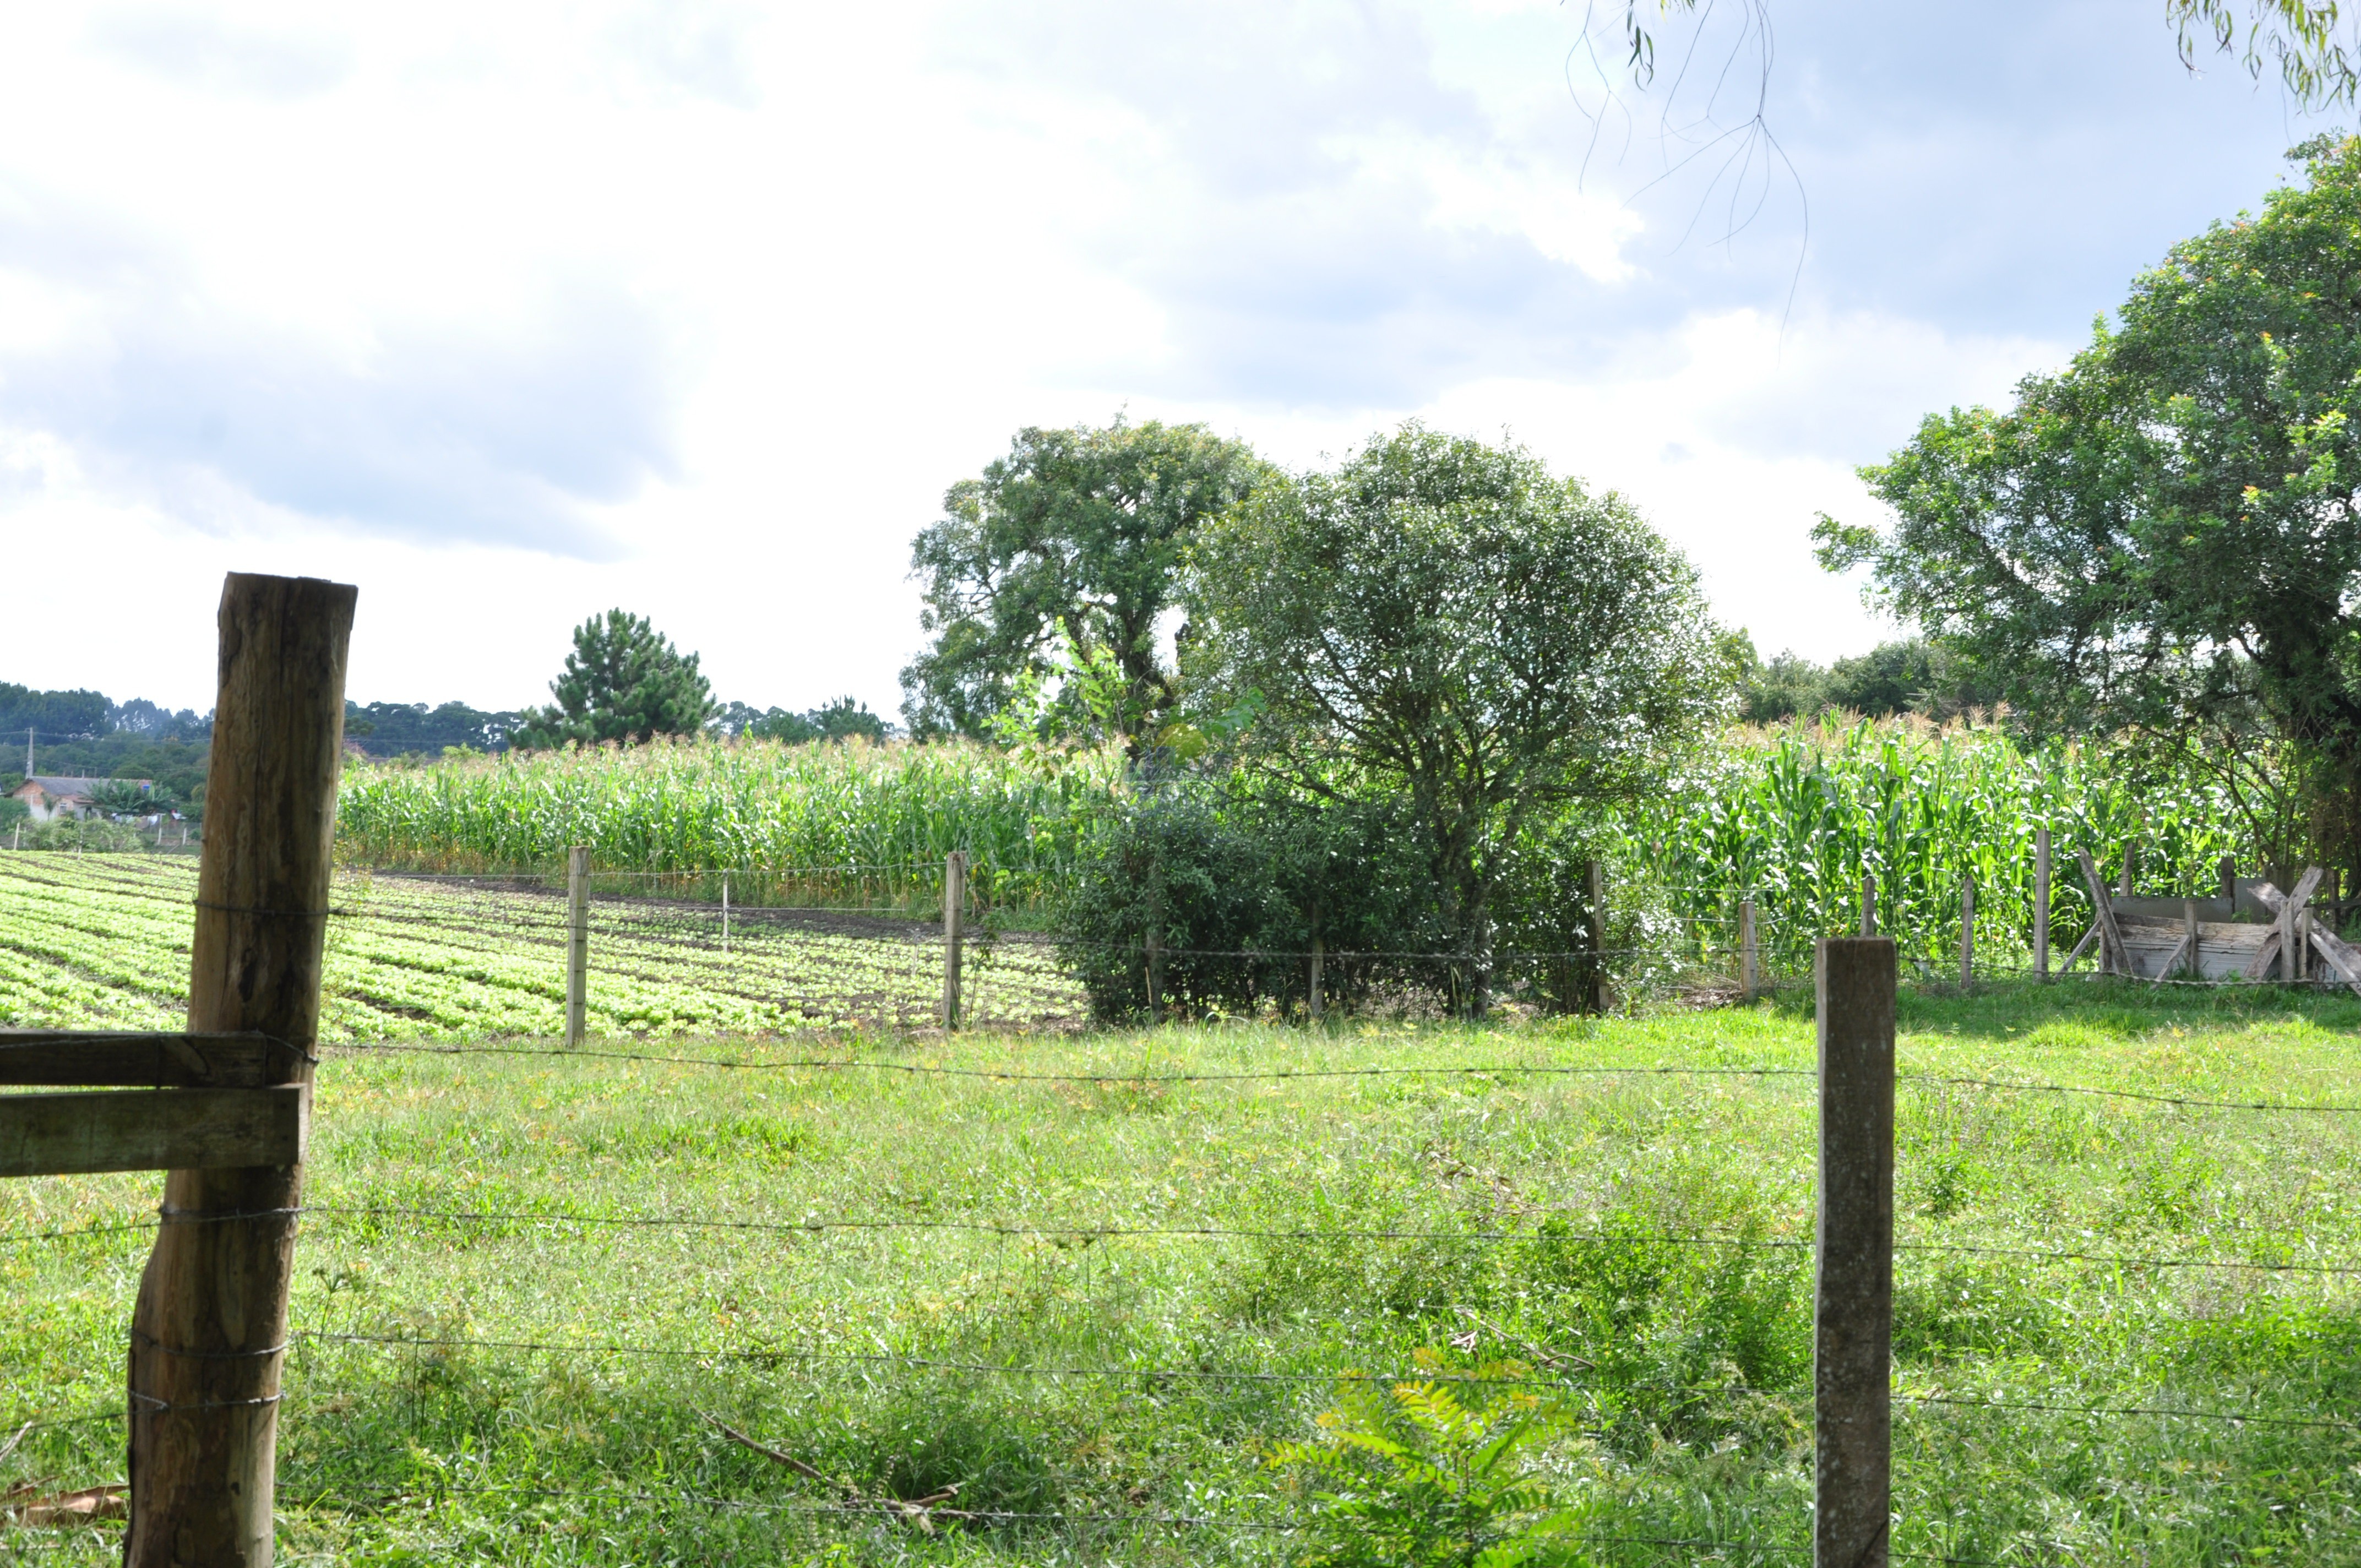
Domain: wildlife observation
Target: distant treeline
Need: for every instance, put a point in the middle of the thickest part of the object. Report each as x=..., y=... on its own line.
x=1914, y=675
x=413, y=729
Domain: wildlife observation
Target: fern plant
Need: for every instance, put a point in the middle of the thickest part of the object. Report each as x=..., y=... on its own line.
x=1431, y=1475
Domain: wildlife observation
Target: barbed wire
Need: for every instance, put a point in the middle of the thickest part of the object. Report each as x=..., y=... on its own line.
x=1112, y=1076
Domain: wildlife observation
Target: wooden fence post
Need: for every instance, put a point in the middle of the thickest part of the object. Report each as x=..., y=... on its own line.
x=2113, y=957
x=577, y=943
x=1967, y=931
x=1750, y=953
x=211, y=1320
x=1155, y=974
x=725, y=912
x=1319, y=951
x=2131, y=857
x=2229, y=869
x=1852, y=1305
x=1869, y=903
x=954, y=932
x=1594, y=937
x=2041, y=904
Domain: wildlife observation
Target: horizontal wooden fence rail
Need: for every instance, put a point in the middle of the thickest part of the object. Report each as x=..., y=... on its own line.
x=92, y=1058
x=153, y=1129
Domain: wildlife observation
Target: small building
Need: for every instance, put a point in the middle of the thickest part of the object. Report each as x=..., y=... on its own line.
x=51, y=795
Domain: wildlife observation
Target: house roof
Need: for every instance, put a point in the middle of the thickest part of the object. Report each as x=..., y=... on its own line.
x=59, y=786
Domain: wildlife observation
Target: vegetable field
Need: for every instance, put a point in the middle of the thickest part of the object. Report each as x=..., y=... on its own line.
x=103, y=941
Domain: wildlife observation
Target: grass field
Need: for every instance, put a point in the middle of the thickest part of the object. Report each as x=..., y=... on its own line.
x=102, y=941
x=533, y=1283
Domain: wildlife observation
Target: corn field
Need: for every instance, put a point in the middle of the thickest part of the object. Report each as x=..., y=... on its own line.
x=1793, y=817
x=1796, y=816
x=775, y=815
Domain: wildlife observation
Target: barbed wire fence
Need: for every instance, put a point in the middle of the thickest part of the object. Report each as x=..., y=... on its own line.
x=515, y=912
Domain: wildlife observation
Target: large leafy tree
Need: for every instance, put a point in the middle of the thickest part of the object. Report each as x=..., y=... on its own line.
x=624, y=681
x=1447, y=623
x=1064, y=555
x=2167, y=534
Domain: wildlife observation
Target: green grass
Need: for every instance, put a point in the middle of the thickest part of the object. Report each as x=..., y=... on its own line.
x=1523, y=1212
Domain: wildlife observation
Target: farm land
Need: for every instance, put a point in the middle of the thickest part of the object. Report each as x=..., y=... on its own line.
x=102, y=941
x=1088, y=1284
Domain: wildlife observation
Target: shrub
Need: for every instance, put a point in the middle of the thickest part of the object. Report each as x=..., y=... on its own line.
x=91, y=835
x=1433, y=1474
x=1236, y=887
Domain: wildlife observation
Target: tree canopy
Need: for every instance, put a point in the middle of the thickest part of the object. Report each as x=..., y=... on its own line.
x=1445, y=622
x=624, y=681
x=2167, y=532
x=1064, y=554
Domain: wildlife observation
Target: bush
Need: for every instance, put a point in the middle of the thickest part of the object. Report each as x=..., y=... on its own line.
x=1235, y=888
x=91, y=835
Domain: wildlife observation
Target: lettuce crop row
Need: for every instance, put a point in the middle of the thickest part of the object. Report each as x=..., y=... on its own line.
x=99, y=943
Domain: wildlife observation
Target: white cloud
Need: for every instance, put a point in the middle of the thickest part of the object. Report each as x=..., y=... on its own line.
x=512, y=313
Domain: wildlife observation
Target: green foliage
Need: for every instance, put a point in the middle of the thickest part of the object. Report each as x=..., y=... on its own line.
x=1444, y=622
x=1234, y=888
x=392, y=728
x=89, y=835
x=122, y=797
x=1076, y=535
x=1913, y=675
x=624, y=681
x=53, y=714
x=706, y=804
x=1796, y=816
x=2162, y=536
x=1432, y=1474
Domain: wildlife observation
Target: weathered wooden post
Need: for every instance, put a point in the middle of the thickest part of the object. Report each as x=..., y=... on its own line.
x=1967, y=931
x=1594, y=936
x=1853, y=1304
x=725, y=912
x=2113, y=957
x=211, y=1321
x=1750, y=956
x=577, y=943
x=2130, y=858
x=1156, y=974
x=2229, y=869
x=954, y=932
x=1869, y=903
x=1319, y=952
x=2041, y=904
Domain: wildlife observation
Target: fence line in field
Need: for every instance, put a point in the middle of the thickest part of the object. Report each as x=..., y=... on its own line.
x=1963, y=1402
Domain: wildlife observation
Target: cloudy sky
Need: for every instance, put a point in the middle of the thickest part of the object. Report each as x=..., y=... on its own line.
x=510, y=313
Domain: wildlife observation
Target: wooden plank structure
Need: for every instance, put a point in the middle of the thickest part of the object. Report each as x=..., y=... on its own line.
x=224, y=1108
x=2253, y=931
